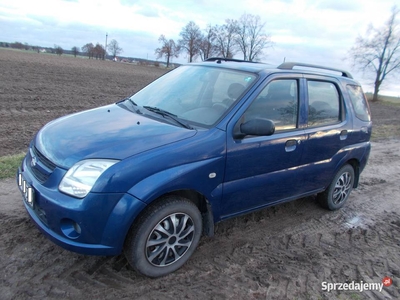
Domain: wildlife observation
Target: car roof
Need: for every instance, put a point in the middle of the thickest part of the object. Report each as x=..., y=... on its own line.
x=257, y=67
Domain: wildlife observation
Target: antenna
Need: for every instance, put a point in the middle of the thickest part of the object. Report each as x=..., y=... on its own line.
x=105, y=48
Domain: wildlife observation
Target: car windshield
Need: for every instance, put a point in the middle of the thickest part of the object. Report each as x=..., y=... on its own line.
x=197, y=94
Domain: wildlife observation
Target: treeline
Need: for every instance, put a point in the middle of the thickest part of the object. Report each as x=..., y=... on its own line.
x=92, y=51
x=244, y=36
x=25, y=46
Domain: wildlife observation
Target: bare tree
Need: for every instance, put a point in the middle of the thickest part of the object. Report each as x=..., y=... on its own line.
x=208, y=47
x=75, y=50
x=168, y=49
x=58, y=50
x=251, y=38
x=99, y=51
x=89, y=50
x=226, y=38
x=114, y=48
x=379, y=51
x=191, y=39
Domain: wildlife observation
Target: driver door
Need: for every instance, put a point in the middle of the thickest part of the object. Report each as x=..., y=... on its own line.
x=261, y=170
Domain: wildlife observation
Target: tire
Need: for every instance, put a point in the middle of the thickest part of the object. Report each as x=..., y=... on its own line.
x=336, y=195
x=164, y=237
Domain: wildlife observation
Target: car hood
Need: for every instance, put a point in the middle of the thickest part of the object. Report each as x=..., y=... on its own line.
x=106, y=132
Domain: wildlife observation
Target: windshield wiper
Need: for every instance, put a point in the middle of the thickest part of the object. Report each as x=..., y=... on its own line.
x=166, y=113
x=135, y=106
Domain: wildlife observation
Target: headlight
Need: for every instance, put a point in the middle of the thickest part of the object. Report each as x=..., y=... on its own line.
x=80, y=179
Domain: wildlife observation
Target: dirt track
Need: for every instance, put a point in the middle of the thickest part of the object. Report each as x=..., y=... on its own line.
x=286, y=251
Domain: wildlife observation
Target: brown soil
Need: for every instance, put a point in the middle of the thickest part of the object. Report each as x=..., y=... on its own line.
x=37, y=88
x=285, y=251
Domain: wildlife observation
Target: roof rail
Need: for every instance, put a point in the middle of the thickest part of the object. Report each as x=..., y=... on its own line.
x=290, y=65
x=220, y=59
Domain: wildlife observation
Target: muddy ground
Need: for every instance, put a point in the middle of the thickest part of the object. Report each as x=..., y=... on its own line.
x=286, y=251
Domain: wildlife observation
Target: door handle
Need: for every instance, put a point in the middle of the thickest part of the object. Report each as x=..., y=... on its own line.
x=364, y=129
x=290, y=145
x=343, y=135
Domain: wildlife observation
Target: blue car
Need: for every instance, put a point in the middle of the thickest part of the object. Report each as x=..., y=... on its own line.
x=208, y=141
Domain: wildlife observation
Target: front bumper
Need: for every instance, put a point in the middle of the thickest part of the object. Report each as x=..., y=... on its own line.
x=95, y=225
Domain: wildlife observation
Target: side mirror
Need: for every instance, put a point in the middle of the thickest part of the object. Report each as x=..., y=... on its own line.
x=261, y=127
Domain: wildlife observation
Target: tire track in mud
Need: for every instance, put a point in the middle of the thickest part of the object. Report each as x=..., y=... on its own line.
x=286, y=258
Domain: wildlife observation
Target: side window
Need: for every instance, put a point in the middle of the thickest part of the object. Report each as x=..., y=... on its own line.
x=323, y=103
x=359, y=102
x=278, y=102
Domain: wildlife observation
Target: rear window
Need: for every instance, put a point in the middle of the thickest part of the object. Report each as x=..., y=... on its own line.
x=324, y=103
x=359, y=102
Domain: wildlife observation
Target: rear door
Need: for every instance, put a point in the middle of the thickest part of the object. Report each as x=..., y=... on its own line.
x=328, y=128
x=261, y=170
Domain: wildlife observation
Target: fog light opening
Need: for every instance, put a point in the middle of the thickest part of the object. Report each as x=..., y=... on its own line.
x=70, y=228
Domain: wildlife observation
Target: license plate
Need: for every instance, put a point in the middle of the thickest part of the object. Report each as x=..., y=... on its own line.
x=27, y=191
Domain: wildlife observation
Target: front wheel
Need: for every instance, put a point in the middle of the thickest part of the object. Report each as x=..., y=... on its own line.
x=336, y=195
x=164, y=238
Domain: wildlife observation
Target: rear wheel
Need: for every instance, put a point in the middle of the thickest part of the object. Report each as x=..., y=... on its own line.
x=165, y=237
x=336, y=195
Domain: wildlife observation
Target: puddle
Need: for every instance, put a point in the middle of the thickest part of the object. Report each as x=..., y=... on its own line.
x=356, y=221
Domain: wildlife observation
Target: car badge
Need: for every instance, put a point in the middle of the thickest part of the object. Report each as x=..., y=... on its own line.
x=33, y=161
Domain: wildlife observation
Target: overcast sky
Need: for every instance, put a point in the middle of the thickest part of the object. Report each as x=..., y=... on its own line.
x=311, y=31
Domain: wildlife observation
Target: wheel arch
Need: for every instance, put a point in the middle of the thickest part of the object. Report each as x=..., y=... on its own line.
x=355, y=156
x=356, y=167
x=193, y=196
x=202, y=204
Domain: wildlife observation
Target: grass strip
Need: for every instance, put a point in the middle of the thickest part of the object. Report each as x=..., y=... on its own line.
x=9, y=165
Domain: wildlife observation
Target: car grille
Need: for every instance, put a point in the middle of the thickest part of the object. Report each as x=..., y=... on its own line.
x=39, y=165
